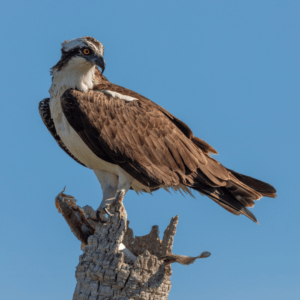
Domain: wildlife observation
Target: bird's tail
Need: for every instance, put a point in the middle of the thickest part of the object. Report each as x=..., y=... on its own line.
x=239, y=193
x=263, y=188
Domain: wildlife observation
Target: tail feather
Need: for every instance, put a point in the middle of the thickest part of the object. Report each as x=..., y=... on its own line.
x=240, y=191
x=231, y=190
x=224, y=198
x=263, y=188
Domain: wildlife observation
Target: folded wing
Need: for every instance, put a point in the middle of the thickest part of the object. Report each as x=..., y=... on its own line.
x=156, y=148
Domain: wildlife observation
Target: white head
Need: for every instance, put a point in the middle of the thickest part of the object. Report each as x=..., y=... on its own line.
x=76, y=67
x=81, y=51
x=85, y=41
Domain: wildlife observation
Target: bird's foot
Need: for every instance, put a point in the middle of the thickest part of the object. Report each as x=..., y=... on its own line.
x=103, y=213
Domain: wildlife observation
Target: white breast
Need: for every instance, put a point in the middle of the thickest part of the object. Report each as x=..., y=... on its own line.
x=73, y=141
x=81, y=79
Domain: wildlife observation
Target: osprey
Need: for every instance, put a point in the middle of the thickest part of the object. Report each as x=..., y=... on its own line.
x=131, y=142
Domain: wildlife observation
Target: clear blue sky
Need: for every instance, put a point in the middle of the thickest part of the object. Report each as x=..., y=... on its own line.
x=229, y=69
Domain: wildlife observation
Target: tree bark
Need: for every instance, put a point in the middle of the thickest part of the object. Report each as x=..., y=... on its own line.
x=114, y=263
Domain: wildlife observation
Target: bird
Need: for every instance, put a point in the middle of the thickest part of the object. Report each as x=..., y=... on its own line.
x=129, y=141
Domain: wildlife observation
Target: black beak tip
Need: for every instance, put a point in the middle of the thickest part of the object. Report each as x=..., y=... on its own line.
x=103, y=68
x=101, y=64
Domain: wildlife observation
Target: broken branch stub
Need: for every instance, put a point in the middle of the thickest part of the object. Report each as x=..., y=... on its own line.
x=74, y=216
x=114, y=263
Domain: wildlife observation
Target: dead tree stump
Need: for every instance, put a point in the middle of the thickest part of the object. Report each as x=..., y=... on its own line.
x=114, y=264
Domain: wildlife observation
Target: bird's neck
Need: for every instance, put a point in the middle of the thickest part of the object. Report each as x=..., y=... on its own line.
x=81, y=77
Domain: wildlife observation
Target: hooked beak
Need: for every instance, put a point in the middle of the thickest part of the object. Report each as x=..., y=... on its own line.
x=100, y=62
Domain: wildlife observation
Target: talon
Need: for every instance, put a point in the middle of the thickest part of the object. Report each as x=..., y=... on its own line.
x=107, y=211
x=98, y=217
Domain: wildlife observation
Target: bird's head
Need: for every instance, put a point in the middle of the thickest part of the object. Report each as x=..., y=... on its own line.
x=81, y=52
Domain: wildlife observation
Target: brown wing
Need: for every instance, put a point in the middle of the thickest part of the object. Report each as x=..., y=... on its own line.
x=107, y=85
x=153, y=146
x=45, y=113
x=135, y=135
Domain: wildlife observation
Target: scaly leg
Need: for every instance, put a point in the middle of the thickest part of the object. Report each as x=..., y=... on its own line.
x=124, y=182
x=111, y=185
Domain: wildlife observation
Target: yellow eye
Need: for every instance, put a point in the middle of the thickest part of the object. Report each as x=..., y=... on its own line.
x=86, y=51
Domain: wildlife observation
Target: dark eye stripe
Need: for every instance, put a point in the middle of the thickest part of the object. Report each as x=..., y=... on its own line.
x=66, y=56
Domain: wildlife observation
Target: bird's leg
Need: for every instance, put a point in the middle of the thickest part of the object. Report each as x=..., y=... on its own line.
x=124, y=182
x=123, y=185
x=109, y=185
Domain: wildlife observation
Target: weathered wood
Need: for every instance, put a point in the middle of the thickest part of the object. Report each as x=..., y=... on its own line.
x=74, y=216
x=114, y=263
x=183, y=259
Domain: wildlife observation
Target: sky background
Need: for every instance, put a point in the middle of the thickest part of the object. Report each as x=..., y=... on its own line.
x=229, y=69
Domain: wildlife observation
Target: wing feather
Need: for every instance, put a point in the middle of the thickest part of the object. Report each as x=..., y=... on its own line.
x=155, y=147
x=135, y=134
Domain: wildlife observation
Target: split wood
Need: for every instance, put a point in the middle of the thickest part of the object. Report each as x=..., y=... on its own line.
x=115, y=265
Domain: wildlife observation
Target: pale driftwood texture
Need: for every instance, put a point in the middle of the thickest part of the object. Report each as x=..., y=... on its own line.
x=114, y=264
